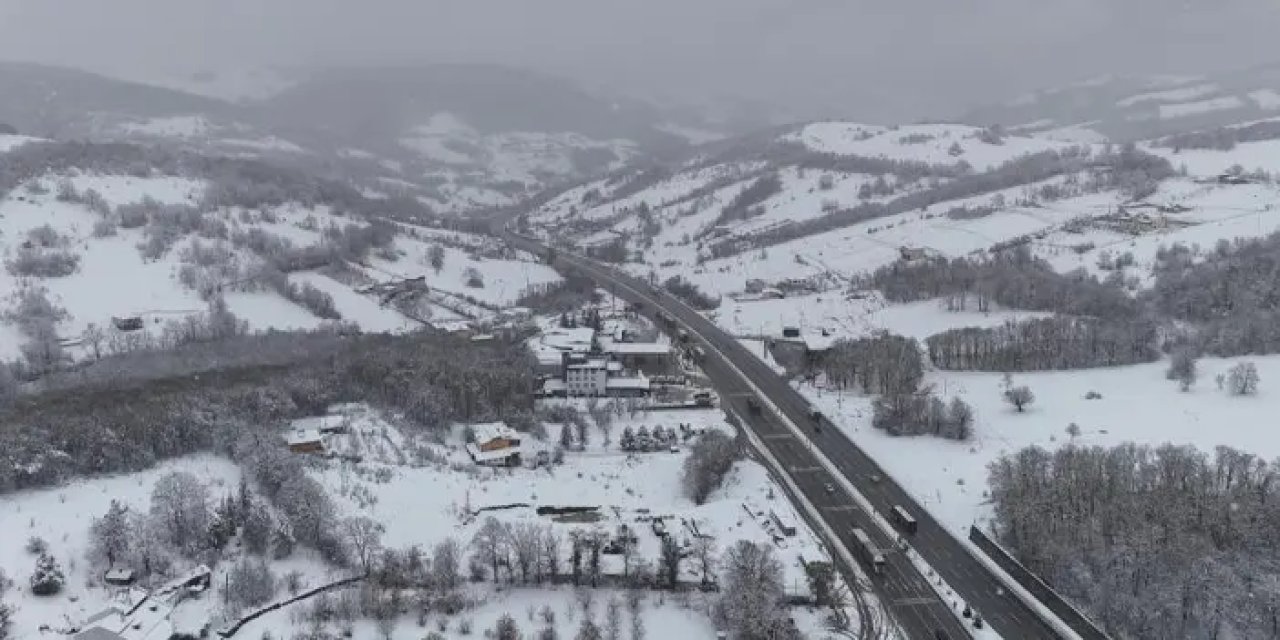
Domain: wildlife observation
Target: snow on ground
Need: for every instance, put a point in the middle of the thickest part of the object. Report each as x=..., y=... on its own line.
x=269, y=143
x=1076, y=134
x=949, y=478
x=691, y=134
x=9, y=143
x=1264, y=154
x=1266, y=98
x=354, y=307
x=61, y=516
x=1202, y=106
x=842, y=317
x=265, y=311
x=171, y=127
x=896, y=143
x=388, y=487
x=664, y=616
x=118, y=190
x=504, y=280
x=1171, y=95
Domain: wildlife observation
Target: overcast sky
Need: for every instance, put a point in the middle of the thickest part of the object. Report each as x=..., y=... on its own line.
x=923, y=57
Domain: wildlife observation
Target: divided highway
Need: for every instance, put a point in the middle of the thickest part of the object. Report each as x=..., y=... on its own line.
x=902, y=589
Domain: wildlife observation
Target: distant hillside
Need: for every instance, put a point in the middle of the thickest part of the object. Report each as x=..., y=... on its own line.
x=457, y=138
x=829, y=202
x=1137, y=108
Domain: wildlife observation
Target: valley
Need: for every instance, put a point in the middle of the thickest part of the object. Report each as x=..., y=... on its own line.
x=285, y=343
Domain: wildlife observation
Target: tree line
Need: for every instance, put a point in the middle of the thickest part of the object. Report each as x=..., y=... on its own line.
x=892, y=366
x=1230, y=294
x=1154, y=542
x=1014, y=279
x=1045, y=344
x=1133, y=172
x=131, y=410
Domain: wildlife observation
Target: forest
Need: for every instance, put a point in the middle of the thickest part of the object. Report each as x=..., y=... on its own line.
x=126, y=419
x=1154, y=542
x=1231, y=292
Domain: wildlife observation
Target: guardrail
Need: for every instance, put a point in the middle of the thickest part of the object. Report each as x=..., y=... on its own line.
x=1035, y=587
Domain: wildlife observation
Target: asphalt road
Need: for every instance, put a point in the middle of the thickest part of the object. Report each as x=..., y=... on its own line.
x=904, y=591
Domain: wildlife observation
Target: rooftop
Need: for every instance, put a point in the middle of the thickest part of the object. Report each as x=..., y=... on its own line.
x=491, y=430
x=636, y=348
x=639, y=382
x=490, y=456
x=303, y=436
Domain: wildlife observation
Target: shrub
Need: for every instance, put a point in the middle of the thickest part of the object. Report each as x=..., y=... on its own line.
x=104, y=228
x=43, y=263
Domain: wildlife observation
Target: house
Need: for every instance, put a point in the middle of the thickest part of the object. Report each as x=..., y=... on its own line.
x=587, y=377
x=119, y=577
x=305, y=441
x=636, y=354
x=627, y=386
x=495, y=444
x=326, y=425
x=912, y=253
x=771, y=293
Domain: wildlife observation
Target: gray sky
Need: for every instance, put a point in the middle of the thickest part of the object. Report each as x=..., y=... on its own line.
x=914, y=57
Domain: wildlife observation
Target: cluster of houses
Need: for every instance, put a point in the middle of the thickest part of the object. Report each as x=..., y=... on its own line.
x=579, y=362
x=155, y=615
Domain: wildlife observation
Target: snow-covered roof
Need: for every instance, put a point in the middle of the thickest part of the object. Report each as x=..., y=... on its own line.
x=577, y=339
x=491, y=456
x=303, y=436
x=493, y=430
x=640, y=382
x=598, y=363
x=319, y=424
x=817, y=341
x=553, y=385
x=98, y=633
x=119, y=574
x=636, y=348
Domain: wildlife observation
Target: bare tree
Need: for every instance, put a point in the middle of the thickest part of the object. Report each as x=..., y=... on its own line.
x=446, y=563
x=1242, y=379
x=669, y=560
x=180, y=506
x=490, y=543
x=704, y=551
x=1182, y=368
x=613, y=620
x=365, y=537
x=525, y=541
x=550, y=556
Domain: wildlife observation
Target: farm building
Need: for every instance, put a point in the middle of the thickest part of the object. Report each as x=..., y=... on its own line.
x=305, y=441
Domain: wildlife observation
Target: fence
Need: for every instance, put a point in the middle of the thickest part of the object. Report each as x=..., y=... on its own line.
x=1083, y=626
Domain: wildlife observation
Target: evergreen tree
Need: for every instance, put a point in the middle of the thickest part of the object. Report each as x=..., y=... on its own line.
x=47, y=579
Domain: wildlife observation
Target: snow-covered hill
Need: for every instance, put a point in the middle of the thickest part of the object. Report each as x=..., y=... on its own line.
x=99, y=246
x=1135, y=108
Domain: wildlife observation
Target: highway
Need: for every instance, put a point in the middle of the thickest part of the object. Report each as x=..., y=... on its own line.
x=905, y=593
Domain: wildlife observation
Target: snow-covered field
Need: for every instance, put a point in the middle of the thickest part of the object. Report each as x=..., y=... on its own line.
x=950, y=478
x=113, y=278
x=929, y=143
